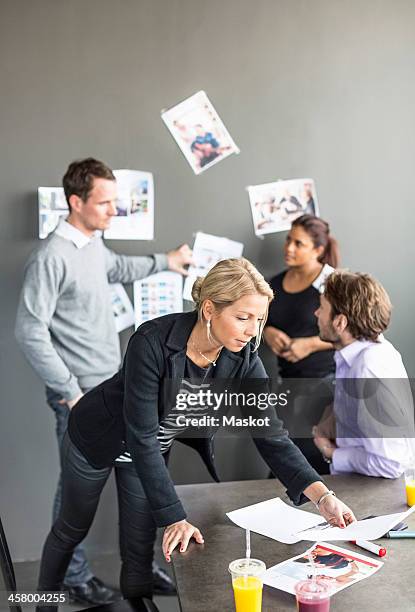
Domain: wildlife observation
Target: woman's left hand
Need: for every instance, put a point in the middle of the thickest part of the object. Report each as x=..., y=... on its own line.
x=336, y=512
x=298, y=349
x=179, y=533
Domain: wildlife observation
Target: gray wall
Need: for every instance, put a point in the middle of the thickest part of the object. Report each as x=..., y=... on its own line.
x=320, y=88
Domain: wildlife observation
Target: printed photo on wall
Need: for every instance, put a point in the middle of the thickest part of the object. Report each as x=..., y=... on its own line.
x=199, y=132
x=52, y=205
x=207, y=251
x=156, y=295
x=274, y=206
x=121, y=307
x=135, y=207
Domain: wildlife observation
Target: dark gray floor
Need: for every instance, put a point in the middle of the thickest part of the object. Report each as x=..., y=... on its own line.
x=105, y=566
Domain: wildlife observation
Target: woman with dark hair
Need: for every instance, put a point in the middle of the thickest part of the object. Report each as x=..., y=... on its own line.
x=291, y=333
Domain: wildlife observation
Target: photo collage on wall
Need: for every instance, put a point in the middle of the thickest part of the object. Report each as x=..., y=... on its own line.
x=204, y=141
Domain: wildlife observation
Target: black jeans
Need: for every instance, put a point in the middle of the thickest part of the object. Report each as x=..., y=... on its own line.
x=81, y=489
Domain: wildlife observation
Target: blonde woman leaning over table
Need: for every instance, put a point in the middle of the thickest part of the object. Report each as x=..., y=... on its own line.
x=132, y=415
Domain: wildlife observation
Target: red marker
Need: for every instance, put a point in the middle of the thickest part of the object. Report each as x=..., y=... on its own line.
x=373, y=548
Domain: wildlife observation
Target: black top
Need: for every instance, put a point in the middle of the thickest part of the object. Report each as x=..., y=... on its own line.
x=192, y=370
x=293, y=313
x=130, y=406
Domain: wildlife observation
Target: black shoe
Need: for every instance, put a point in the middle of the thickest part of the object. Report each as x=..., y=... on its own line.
x=162, y=583
x=92, y=592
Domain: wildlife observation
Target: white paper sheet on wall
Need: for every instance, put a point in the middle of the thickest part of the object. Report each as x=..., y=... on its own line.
x=207, y=251
x=274, y=206
x=199, y=132
x=157, y=295
x=121, y=307
x=135, y=207
x=52, y=206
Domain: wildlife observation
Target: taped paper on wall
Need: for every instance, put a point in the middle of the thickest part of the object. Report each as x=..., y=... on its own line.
x=199, y=132
x=135, y=207
x=207, y=251
x=121, y=307
x=157, y=295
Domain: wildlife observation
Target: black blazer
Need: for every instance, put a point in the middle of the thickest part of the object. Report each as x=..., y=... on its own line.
x=126, y=410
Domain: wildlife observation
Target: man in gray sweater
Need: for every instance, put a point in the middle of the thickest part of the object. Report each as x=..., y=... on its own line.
x=65, y=324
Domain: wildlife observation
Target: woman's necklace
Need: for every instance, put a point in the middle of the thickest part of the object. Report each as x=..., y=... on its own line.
x=213, y=362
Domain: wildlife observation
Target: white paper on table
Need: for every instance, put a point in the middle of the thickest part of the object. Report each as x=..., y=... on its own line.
x=157, y=295
x=135, y=207
x=121, y=307
x=369, y=529
x=286, y=575
x=207, y=251
x=275, y=519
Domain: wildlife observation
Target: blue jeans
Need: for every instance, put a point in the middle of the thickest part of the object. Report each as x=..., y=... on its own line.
x=81, y=489
x=78, y=571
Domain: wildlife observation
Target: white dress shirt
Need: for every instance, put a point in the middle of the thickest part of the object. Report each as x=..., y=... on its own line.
x=374, y=419
x=70, y=232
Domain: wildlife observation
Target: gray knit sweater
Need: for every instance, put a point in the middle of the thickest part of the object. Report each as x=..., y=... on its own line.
x=65, y=325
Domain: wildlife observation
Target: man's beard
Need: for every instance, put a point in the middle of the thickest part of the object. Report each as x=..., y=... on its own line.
x=329, y=336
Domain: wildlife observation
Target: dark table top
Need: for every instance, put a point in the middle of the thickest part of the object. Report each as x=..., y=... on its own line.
x=202, y=576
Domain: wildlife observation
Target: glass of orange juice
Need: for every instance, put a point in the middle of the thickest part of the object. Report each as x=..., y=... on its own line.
x=247, y=584
x=410, y=485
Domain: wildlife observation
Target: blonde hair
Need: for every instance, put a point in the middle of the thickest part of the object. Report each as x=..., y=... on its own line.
x=227, y=282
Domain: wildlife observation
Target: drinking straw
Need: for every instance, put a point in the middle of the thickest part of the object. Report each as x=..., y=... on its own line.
x=248, y=544
x=247, y=551
x=313, y=567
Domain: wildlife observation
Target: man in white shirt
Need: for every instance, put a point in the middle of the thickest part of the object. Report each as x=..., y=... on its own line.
x=371, y=428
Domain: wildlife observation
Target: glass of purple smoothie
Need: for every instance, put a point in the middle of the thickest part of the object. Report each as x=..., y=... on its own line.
x=313, y=595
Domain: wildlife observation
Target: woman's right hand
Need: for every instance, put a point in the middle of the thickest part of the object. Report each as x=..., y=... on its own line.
x=277, y=340
x=179, y=533
x=336, y=512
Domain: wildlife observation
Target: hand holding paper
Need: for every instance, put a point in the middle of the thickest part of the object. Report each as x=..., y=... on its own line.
x=279, y=521
x=180, y=257
x=336, y=512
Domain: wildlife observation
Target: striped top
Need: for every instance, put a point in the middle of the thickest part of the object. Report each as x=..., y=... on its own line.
x=193, y=381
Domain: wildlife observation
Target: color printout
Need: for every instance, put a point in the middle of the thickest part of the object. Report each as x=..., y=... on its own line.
x=207, y=251
x=157, y=295
x=340, y=567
